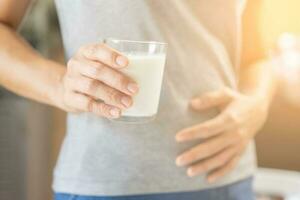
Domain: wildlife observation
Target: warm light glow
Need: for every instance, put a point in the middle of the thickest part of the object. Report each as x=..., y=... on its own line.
x=278, y=17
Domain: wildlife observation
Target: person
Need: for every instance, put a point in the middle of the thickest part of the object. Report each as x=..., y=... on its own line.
x=215, y=97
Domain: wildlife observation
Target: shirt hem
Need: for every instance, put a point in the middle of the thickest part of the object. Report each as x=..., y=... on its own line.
x=75, y=187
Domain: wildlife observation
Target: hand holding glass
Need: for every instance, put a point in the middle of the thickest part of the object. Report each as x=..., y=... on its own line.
x=146, y=67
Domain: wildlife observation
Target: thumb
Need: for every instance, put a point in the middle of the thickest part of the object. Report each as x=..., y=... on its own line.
x=212, y=99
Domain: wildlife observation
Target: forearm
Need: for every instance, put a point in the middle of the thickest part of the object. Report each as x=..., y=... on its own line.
x=258, y=80
x=25, y=72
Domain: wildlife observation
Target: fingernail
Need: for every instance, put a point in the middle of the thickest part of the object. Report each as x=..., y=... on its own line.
x=133, y=88
x=122, y=61
x=115, y=112
x=181, y=136
x=126, y=101
x=178, y=137
x=179, y=162
x=190, y=172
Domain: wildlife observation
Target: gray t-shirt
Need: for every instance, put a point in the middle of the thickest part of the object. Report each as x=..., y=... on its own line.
x=101, y=157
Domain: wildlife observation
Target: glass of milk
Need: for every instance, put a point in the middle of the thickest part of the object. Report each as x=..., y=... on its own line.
x=146, y=67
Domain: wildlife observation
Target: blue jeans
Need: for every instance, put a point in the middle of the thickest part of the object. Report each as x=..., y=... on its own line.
x=241, y=190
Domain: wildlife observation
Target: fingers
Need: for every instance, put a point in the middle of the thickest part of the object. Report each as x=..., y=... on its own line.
x=222, y=171
x=99, y=90
x=104, y=54
x=212, y=99
x=93, y=75
x=88, y=104
x=206, y=149
x=206, y=129
x=212, y=163
x=107, y=75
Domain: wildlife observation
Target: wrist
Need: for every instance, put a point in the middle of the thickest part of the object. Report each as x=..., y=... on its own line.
x=57, y=95
x=259, y=82
x=56, y=90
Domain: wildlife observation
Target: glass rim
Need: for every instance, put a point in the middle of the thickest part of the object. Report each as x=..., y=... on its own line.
x=134, y=41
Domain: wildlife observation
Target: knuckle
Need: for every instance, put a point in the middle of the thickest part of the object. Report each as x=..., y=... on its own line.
x=103, y=109
x=121, y=81
x=88, y=104
x=112, y=95
x=89, y=86
x=109, y=53
x=88, y=50
x=102, y=52
x=98, y=66
x=97, y=69
x=73, y=66
x=94, y=70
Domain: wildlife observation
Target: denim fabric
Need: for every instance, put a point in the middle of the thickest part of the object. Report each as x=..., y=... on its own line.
x=241, y=190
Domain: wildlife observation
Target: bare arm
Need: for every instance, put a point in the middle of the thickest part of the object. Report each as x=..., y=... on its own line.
x=91, y=82
x=12, y=12
x=22, y=69
x=256, y=76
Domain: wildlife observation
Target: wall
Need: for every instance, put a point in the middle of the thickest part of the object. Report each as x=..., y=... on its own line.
x=278, y=144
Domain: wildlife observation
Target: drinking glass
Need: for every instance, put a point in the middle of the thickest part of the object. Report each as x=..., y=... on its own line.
x=146, y=67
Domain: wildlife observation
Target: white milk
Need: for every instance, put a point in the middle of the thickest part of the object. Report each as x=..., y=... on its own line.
x=147, y=71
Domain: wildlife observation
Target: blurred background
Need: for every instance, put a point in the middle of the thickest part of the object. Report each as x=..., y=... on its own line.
x=30, y=141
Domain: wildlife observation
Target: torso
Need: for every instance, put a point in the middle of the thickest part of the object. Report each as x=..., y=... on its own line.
x=100, y=157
